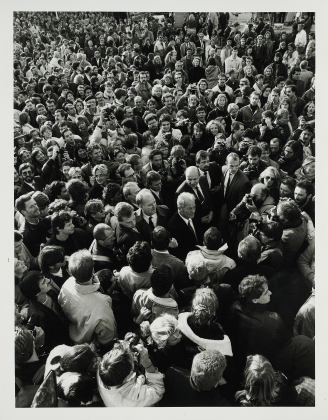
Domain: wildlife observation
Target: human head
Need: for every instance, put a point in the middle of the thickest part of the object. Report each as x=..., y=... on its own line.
x=287, y=187
x=116, y=365
x=26, y=205
x=81, y=266
x=207, y=369
x=77, y=190
x=270, y=176
x=165, y=331
x=161, y=280
x=186, y=205
x=75, y=388
x=42, y=201
x=260, y=380
x=192, y=176
x=196, y=268
x=24, y=345
x=254, y=288
x=233, y=163
x=303, y=192
x=269, y=232
x=139, y=257
x=146, y=202
x=160, y=238
x=125, y=215
x=34, y=284
x=204, y=306
x=249, y=250
x=212, y=239
x=288, y=211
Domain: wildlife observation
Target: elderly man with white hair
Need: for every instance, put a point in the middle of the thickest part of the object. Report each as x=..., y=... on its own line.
x=184, y=227
x=149, y=215
x=198, y=186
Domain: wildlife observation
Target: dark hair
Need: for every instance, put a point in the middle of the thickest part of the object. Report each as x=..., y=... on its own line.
x=271, y=230
x=55, y=189
x=110, y=191
x=79, y=391
x=160, y=238
x=76, y=189
x=161, y=280
x=92, y=206
x=290, y=182
x=116, y=364
x=212, y=239
x=77, y=358
x=151, y=177
x=251, y=287
x=306, y=185
x=41, y=199
x=249, y=133
x=21, y=201
x=290, y=210
x=254, y=151
x=185, y=140
x=29, y=285
x=139, y=257
x=155, y=152
x=58, y=220
x=129, y=123
x=50, y=255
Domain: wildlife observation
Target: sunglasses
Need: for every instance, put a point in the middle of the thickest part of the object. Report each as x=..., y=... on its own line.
x=269, y=177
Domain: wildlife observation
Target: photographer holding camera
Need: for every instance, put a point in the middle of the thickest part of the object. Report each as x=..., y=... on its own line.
x=166, y=132
x=254, y=166
x=252, y=207
x=177, y=164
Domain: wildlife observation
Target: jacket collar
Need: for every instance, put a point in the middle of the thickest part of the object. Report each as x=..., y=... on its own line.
x=88, y=288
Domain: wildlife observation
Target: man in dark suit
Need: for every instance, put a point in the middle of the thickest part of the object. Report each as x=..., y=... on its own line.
x=125, y=231
x=184, y=227
x=198, y=186
x=212, y=173
x=154, y=184
x=97, y=61
x=149, y=214
x=235, y=185
x=30, y=182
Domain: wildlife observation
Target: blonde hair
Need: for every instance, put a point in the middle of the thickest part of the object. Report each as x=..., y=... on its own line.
x=161, y=329
x=204, y=306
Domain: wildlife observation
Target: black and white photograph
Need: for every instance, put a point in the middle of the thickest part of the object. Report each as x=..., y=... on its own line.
x=164, y=208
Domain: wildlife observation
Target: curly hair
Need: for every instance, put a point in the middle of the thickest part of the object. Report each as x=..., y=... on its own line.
x=204, y=306
x=139, y=257
x=23, y=345
x=109, y=192
x=160, y=330
x=93, y=206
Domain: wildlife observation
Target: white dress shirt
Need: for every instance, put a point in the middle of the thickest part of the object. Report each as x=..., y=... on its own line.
x=153, y=218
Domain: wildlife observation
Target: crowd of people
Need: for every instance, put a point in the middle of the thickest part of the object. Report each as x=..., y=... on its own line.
x=164, y=211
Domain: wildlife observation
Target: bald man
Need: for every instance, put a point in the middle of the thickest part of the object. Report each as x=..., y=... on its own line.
x=149, y=215
x=253, y=206
x=198, y=186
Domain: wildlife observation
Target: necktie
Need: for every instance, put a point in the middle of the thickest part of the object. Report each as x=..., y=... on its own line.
x=228, y=183
x=199, y=194
x=190, y=227
x=151, y=224
x=207, y=179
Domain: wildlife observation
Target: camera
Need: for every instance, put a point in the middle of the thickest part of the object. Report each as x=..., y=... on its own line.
x=193, y=88
x=249, y=199
x=167, y=136
x=62, y=151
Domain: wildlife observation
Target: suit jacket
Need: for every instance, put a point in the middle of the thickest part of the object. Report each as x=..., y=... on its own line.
x=215, y=173
x=202, y=209
x=93, y=62
x=163, y=216
x=159, y=201
x=186, y=239
x=126, y=238
x=25, y=188
x=238, y=187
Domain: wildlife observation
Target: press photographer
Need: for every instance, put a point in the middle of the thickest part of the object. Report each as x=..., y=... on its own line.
x=254, y=166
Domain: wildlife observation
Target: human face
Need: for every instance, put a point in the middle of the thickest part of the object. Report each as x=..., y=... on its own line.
x=71, y=110
x=285, y=192
x=274, y=147
x=129, y=222
x=188, y=211
x=157, y=161
x=174, y=339
x=138, y=102
x=192, y=101
x=99, y=215
x=69, y=138
x=289, y=92
x=68, y=228
x=58, y=117
x=269, y=179
x=192, y=179
x=201, y=115
x=305, y=136
x=253, y=160
x=96, y=155
x=27, y=175
x=221, y=101
x=156, y=185
x=221, y=81
x=300, y=195
x=109, y=240
x=42, y=110
x=233, y=166
x=168, y=102
x=65, y=170
x=214, y=129
x=18, y=246
x=129, y=175
x=51, y=108
x=148, y=205
x=204, y=164
x=64, y=194
x=79, y=108
x=20, y=267
x=120, y=158
x=198, y=133
x=101, y=178
x=254, y=99
x=265, y=155
x=267, y=92
x=310, y=169
x=265, y=297
x=288, y=152
x=311, y=108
